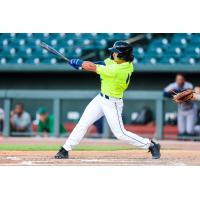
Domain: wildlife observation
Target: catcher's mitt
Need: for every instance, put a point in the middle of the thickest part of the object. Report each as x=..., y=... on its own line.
x=184, y=96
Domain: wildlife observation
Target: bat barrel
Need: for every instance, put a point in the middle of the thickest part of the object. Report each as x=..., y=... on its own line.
x=53, y=51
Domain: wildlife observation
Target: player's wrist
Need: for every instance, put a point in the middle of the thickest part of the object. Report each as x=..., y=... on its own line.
x=89, y=66
x=76, y=63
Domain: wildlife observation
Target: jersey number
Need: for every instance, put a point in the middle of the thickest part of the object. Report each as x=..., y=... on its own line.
x=128, y=79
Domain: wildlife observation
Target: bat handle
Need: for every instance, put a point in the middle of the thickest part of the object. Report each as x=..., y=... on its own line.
x=173, y=91
x=66, y=59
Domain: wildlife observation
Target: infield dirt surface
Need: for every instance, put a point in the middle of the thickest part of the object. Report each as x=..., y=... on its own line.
x=175, y=153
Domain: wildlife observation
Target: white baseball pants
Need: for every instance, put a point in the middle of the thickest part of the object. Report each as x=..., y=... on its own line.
x=112, y=109
x=187, y=120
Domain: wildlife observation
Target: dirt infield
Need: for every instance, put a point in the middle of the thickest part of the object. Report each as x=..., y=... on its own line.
x=173, y=153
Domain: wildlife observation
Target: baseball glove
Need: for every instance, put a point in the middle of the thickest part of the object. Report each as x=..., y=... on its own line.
x=184, y=96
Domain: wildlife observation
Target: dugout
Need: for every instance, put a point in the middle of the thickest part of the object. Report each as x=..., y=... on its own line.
x=145, y=78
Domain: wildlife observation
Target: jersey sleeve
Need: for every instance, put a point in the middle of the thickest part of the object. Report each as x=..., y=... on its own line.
x=40, y=127
x=168, y=90
x=27, y=120
x=105, y=71
x=189, y=85
x=100, y=63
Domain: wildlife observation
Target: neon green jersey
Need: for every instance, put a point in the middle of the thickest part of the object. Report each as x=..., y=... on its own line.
x=115, y=77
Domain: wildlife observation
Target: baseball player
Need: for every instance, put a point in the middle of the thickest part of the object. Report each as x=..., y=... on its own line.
x=186, y=110
x=115, y=73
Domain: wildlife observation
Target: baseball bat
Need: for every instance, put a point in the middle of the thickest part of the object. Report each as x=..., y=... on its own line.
x=53, y=51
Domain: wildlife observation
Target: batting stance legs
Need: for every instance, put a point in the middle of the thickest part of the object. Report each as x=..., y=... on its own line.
x=112, y=109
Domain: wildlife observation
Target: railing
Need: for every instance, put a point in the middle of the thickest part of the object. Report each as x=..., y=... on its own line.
x=159, y=67
x=58, y=95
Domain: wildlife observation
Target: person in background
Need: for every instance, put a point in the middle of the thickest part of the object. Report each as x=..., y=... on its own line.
x=20, y=119
x=99, y=125
x=196, y=92
x=46, y=124
x=1, y=120
x=187, y=111
x=196, y=97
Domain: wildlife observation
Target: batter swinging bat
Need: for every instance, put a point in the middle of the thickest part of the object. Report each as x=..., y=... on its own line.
x=53, y=51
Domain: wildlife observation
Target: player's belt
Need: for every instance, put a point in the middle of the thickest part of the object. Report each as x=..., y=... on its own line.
x=107, y=97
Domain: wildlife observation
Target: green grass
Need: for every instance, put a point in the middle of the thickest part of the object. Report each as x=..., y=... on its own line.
x=45, y=147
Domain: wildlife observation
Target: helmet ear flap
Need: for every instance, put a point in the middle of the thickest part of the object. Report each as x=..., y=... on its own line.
x=128, y=56
x=120, y=55
x=111, y=56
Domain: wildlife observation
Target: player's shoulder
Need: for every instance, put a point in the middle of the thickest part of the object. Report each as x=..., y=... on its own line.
x=188, y=85
x=51, y=117
x=26, y=114
x=173, y=85
x=170, y=86
x=109, y=61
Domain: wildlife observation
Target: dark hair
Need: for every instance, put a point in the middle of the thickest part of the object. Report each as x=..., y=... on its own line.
x=127, y=56
x=181, y=74
x=20, y=104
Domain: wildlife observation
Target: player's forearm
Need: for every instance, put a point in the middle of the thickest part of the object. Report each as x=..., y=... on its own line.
x=89, y=66
x=170, y=92
x=167, y=94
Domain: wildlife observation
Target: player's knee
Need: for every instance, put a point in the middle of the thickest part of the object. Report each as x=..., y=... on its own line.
x=190, y=130
x=82, y=127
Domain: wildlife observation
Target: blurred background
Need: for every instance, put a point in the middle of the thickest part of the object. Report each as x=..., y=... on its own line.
x=42, y=96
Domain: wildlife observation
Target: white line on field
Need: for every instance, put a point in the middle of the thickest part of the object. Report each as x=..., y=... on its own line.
x=26, y=163
x=12, y=158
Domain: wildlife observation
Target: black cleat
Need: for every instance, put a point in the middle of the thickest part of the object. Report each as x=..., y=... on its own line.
x=62, y=154
x=155, y=150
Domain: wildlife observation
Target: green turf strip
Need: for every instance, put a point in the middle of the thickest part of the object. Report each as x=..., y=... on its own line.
x=45, y=147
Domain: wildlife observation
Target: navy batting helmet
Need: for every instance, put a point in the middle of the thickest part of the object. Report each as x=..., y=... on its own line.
x=124, y=50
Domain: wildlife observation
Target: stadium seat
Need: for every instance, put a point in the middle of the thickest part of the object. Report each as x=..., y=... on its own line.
x=173, y=51
x=155, y=52
x=78, y=52
x=179, y=38
x=187, y=60
x=4, y=36
x=168, y=60
x=184, y=35
x=101, y=44
x=106, y=36
x=46, y=60
x=195, y=39
x=157, y=48
x=160, y=42
x=138, y=52
x=3, y=60
x=149, y=60
x=121, y=36
x=194, y=53
x=16, y=60
x=33, y=60
x=4, y=43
